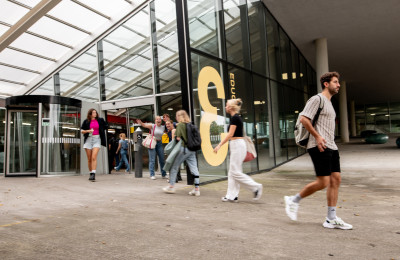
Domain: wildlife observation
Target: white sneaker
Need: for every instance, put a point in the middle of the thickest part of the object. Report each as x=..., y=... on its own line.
x=336, y=223
x=225, y=199
x=168, y=189
x=291, y=208
x=258, y=193
x=153, y=177
x=194, y=192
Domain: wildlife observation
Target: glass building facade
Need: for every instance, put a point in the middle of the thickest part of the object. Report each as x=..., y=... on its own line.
x=194, y=55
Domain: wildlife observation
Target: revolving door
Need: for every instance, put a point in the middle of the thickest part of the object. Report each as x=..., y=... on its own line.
x=42, y=136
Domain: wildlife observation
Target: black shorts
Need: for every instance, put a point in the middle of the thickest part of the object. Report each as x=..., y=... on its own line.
x=325, y=162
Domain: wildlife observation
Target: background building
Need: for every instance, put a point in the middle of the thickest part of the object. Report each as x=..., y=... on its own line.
x=148, y=58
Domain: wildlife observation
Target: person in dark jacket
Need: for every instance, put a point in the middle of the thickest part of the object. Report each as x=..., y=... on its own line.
x=93, y=128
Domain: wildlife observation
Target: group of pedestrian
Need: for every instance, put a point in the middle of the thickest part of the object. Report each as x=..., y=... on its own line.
x=321, y=148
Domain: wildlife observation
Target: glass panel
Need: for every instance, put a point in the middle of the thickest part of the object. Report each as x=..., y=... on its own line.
x=286, y=61
x=218, y=126
x=293, y=106
x=263, y=123
x=2, y=138
x=23, y=138
x=46, y=89
x=167, y=47
x=258, y=37
x=273, y=46
x=22, y=60
x=279, y=123
x=303, y=75
x=16, y=75
x=378, y=118
x=295, y=67
x=60, y=139
x=127, y=59
x=395, y=117
x=203, y=24
x=79, y=79
x=240, y=87
x=11, y=13
x=236, y=34
x=169, y=105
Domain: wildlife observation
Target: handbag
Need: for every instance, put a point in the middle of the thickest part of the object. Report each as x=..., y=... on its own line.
x=251, y=153
x=150, y=141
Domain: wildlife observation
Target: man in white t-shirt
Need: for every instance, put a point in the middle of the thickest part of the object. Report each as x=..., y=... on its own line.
x=323, y=152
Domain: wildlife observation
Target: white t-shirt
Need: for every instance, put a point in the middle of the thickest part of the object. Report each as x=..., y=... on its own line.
x=325, y=125
x=159, y=131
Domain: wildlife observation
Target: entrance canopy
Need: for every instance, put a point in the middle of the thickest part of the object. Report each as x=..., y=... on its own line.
x=38, y=36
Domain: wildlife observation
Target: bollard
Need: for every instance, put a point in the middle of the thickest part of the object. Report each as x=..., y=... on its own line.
x=138, y=148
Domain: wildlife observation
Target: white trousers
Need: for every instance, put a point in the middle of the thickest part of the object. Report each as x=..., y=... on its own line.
x=235, y=174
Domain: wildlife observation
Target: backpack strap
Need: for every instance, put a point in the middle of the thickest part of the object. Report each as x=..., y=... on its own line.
x=321, y=106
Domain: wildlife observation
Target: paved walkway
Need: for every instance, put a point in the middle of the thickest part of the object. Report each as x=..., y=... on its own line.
x=120, y=217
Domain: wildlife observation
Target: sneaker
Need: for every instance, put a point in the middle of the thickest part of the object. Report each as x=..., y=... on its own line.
x=258, y=193
x=165, y=177
x=127, y=170
x=336, y=223
x=194, y=192
x=168, y=189
x=291, y=208
x=92, y=177
x=225, y=199
x=115, y=168
x=153, y=177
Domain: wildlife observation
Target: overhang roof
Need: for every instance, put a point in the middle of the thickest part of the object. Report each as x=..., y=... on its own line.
x=363, y=41
x=37, y=36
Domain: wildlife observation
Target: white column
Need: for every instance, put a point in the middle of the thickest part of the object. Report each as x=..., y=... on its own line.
x=321, y=56
x=344, y=122
x=353, y=119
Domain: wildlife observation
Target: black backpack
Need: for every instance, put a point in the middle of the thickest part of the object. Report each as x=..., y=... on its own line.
x=193, y=142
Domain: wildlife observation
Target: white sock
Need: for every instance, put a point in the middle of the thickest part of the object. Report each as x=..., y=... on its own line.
x=296, y=198
x=93, y=171
x=331, y=213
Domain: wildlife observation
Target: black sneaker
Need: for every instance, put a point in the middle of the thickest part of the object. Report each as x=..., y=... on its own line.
x=92, y=177
x=225, y=199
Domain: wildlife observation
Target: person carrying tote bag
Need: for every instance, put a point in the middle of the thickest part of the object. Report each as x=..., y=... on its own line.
x=238, y=151
x=157, y=130
x=150, y=141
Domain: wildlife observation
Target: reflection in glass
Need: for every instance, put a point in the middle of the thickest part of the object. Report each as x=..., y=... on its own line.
x=167, y=47
x=236, y=32
x=22, y=143
x=208, y=172
x=203, y=21
x=258, y=37
x=273, y=46
x=263, y=123
x=127, y=59
x=60, y=140
x=279, y=123
x=79, y=79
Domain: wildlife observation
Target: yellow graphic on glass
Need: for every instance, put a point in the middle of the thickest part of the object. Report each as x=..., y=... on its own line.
x=207, y=75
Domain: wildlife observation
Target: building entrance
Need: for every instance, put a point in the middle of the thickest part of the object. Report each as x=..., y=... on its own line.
x=123, y=121
x=43, y=136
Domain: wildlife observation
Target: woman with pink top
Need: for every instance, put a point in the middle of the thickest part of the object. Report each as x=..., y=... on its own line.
x=93, y=129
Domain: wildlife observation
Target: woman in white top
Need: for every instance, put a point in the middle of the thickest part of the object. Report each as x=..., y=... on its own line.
x=158, y=130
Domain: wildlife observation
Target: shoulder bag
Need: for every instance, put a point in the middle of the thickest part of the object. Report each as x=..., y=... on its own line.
x=150, y=141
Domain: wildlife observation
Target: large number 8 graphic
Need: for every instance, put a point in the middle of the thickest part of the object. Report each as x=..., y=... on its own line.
x=207, y=75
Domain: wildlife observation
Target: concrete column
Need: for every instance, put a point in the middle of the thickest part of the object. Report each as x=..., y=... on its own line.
x=353, y=119
x=322, y=65
x=344, y=122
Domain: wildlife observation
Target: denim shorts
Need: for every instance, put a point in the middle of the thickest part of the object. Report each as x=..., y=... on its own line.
x=92, y=142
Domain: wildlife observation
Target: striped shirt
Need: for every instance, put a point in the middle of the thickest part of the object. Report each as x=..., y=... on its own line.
x=325, y=125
